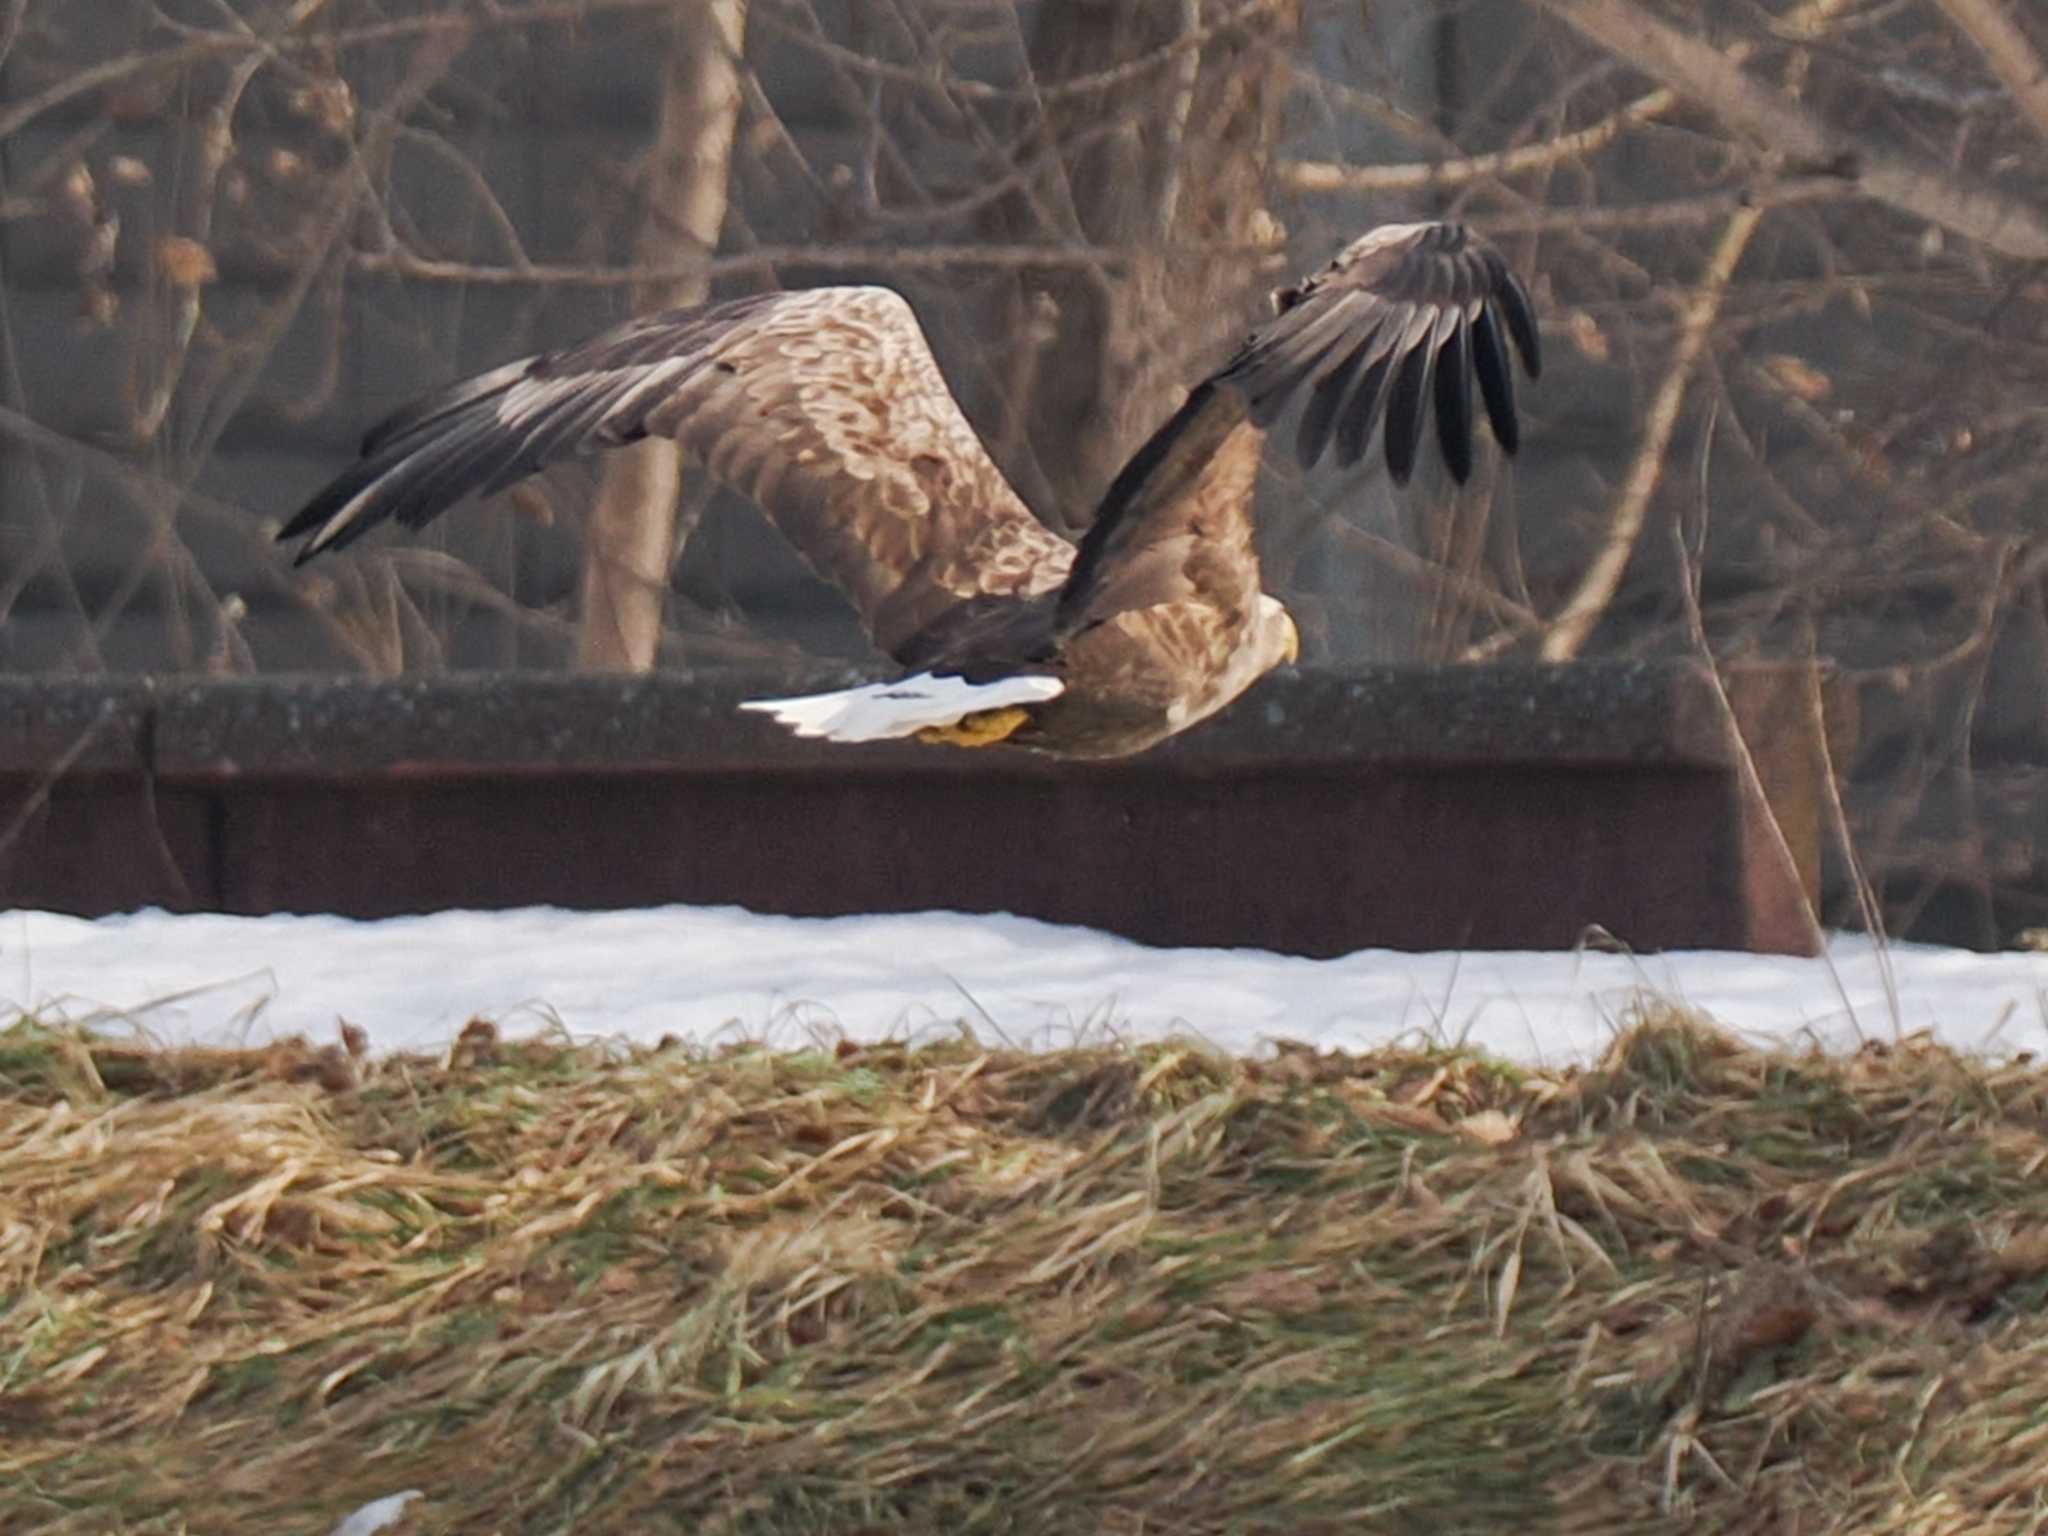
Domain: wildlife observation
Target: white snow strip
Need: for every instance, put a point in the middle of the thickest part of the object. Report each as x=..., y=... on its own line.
x=885, y=711
x=712, y=974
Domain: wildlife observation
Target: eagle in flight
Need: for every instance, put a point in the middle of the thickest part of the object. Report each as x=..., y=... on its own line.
x=826, y=408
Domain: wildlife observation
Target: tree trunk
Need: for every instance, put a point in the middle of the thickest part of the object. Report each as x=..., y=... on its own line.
x=1165, y=166
x=636, y=523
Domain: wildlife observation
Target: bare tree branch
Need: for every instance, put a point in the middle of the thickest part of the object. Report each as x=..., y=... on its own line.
x=1781, y=126
x=757, y=261
x=2009, y=53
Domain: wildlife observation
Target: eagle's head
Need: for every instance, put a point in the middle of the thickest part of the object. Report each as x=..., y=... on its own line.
x=1268, y=640
x=1274, y=639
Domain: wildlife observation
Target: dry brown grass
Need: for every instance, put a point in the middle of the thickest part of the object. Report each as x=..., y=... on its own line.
x=953, y=1289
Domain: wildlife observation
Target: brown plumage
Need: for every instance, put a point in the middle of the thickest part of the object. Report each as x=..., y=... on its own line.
x=826, y=408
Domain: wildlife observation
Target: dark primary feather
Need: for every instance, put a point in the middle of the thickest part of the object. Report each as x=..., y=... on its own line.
x=1405, y=318
x=1496, y=379
x=1407, y=411
x=1454, y=402
x=454, y=444
x=443, y=403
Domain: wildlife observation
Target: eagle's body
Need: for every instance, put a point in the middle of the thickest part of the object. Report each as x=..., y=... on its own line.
x=825, y=407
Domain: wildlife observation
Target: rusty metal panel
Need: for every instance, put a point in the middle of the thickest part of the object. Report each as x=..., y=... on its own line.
x=1315, y=864
x=94, y=843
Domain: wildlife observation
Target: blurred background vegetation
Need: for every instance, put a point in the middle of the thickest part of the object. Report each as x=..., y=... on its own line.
x=1792, y=262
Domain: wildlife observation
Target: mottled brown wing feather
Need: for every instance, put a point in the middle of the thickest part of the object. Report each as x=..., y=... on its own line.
x=1176, y=522
x=825, y=406
x=1406, y=317
x=1166, y=588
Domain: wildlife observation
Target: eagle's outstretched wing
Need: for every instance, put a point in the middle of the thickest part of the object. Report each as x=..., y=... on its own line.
x=1404, y=316
x=824, y=406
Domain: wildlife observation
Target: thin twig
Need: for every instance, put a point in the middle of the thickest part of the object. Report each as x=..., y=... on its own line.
x=1688, y=558
x=1327, y=176
x=1574, y=622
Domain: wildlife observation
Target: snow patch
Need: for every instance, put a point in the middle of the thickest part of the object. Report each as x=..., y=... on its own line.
x=711, y=974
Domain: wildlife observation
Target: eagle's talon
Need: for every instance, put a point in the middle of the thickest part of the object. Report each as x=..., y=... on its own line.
x=982, y=728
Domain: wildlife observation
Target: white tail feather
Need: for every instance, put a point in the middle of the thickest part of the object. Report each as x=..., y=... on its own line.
x=885, y=711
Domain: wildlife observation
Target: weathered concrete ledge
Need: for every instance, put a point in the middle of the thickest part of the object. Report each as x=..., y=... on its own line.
x=1485, y=807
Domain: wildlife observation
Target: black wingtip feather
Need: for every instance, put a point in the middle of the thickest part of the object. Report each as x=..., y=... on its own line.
x=1363, y=410
x=443, y=404
x=332, y=497
x=1297, y=347
x=454, y=467
x=1496, y=376
x=416, y=472
x=1521, y=318
x=437, y=453
x=1319, y=418
x=1324, y=336
x=1407, y=412
x=1454, y=402
x=1327, y=404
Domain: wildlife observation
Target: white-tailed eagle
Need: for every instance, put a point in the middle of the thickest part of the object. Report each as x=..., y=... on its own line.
x=826, y=408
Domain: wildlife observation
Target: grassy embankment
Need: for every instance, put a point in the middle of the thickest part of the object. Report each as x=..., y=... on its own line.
x=957, y=1289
